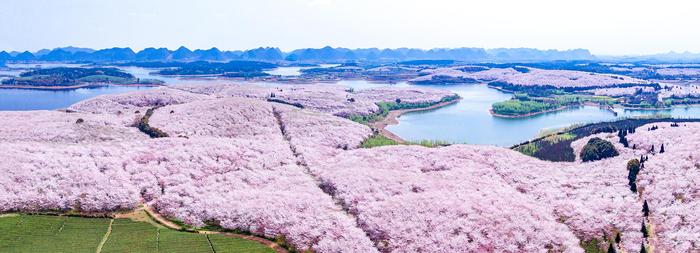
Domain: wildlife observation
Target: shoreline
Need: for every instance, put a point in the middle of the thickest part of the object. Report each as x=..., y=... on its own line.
x=610, y=109
x=392, y=119
x=530, y=114
x=588, y=103
x=73, y=87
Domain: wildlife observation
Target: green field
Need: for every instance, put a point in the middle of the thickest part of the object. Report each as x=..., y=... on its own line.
x=51, y=234
x=127, y=235
x=43, y=233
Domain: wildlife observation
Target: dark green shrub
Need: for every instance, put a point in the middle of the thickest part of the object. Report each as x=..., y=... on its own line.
x=597, y=149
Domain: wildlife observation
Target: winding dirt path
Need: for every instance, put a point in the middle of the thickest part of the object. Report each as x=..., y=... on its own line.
x=169, y=224
x=160, y=219
x=392, y=119
x=105, y=237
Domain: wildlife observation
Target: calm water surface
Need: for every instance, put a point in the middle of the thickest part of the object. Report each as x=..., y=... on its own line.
x=24, y=100
x=294, y=71
x=467, y=121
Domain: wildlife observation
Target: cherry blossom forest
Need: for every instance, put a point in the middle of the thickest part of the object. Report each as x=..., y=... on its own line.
x=284, y=162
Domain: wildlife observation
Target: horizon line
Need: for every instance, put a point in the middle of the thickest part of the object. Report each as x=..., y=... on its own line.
x=136, y=49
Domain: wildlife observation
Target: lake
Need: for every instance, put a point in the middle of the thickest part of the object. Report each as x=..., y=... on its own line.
x=24, y=100
x=295, y=71
x=467, y=121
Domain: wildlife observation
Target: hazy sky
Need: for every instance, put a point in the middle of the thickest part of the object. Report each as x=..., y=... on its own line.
x=603, y=26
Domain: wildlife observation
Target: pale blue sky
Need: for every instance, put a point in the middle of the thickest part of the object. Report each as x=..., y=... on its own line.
x=603, y=26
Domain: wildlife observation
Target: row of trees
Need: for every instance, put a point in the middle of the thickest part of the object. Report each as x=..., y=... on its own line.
x=622, y=134
x=661, y=150
x=634, y=166
x=612, y=248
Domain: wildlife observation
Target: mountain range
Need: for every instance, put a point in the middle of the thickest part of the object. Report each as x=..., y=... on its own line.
x=670, y=57
x=307, y=55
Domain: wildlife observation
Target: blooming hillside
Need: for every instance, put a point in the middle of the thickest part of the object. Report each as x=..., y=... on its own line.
x=531, y=77
x=44, y=176
x=568, y=78
x=670, y=182
x=225, y=117
x=294, y=174
x=416, y=199
x=228, y=164
x=454, y=74
x=135, y=101
x=618, y=92
x=334, y=99
x=543, y=195
x=61, y=127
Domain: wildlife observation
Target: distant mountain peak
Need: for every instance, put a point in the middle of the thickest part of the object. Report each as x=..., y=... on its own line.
x=183, y=49
x=317, y=55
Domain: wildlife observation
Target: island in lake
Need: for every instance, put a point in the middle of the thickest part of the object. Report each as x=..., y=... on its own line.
x=63, y=78
x=234, y=68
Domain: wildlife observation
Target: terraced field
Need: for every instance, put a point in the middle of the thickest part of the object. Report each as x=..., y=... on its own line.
x=51, y=234
x=42, y=233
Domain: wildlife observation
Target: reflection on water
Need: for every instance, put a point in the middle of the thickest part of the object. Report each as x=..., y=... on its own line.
x=144, y=73
x=294, y=71
x=24, y=100
x=286, y=71
x=467, y=121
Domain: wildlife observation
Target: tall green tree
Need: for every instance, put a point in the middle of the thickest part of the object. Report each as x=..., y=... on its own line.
x=645, y=209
